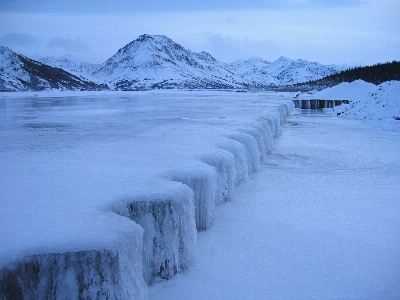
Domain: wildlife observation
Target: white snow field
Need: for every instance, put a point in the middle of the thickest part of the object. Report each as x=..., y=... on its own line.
x=320, y=221
x=102, y=194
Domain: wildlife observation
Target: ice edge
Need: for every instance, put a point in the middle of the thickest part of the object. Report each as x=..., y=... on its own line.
x=167, y=244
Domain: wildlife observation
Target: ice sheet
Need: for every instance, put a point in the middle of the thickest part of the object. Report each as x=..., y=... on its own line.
x=67, y=161
x=321, y=220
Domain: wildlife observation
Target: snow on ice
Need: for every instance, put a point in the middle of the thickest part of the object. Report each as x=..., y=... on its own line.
x=103, y=193
x=78, y=168
x=322, y=218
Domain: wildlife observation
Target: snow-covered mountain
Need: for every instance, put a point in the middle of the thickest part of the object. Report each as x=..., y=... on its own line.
x=283, y=71
x=303, y=70
x=72, y=65
x=20, y=73
x=156, y=61
x=12, y=74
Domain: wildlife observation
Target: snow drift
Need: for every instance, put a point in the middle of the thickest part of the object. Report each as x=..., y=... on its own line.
x=375, y=105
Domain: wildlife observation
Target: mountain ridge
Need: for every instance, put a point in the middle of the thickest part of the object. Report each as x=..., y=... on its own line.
x=156, y=61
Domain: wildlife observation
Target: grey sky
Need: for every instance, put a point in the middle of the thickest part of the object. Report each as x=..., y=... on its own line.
x=327, y=31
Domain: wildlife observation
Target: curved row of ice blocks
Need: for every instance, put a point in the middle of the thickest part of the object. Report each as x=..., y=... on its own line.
x=114, y=257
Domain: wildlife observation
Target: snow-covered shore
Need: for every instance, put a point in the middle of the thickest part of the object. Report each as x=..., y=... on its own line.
x=378, y=106
x=321, y=220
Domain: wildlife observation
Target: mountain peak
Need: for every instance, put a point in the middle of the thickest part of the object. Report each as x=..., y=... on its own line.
x=6, y=51
x=284, y=59
x=255, y=59
x=150, y=42
x=206, y=57
x=249, y=65
x=2, y=48
x=8, y=59
x=155, y=60
x=147, y=37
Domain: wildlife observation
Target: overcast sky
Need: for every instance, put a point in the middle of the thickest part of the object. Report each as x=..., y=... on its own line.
x=327, y=31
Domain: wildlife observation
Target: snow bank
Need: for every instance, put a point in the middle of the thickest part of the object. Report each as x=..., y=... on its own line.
x=76, y=171
x=347, y=91
x=375, y=105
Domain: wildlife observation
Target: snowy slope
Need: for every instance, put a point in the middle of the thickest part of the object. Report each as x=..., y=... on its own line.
x=20, y=73
x=375, y=105
x=254, y=71
x=283, y=71
x=158, y=62
x=355, y=90
x=72, y=65
x=12, y=73
x=303, y=70
x=246, y=66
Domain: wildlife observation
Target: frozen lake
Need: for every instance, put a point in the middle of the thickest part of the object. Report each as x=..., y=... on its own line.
x=77, y=169
x=320, y=221
x=319, y=218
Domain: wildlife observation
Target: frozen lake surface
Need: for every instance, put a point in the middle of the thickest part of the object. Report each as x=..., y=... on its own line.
x=77, y=169
x=320, y=221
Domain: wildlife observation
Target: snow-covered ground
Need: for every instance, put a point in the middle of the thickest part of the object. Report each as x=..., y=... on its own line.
x=322, y=218
x=70, y=165
x=320, y=221
x=375, y=105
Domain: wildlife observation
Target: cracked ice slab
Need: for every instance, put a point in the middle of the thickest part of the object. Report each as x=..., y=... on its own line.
x=66, y=162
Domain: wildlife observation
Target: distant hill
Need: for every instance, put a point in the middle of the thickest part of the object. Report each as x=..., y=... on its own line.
x=284, y=71
x=375, y=74
x=72, y=65
x=20, y=73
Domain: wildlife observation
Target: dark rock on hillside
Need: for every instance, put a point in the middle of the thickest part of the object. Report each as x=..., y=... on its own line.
x=57, y=78
x=20, y=73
